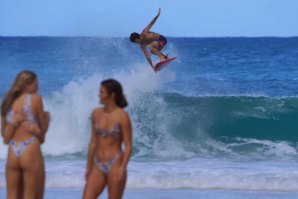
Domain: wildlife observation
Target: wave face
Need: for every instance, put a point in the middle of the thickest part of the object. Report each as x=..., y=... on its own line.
x=258, y=126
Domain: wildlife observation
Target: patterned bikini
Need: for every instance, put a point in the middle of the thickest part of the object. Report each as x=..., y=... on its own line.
x=20, y=147
x=105, y=167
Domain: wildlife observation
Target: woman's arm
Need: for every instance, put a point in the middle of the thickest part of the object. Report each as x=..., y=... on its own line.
x=146, y=30
x=7, y=133
x=127, y=138
x=43, y=119
x=92, y=146
x=3, y=124
x=9, y=130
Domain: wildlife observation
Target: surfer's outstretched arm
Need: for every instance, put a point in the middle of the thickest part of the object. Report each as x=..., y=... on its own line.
x=145, y=31
x=143, y=47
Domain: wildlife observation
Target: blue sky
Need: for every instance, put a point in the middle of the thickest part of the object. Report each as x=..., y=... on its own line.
x=118, y=18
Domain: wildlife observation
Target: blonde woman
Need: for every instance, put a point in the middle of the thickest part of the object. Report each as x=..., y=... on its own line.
x=24, y=124
x=111, y=127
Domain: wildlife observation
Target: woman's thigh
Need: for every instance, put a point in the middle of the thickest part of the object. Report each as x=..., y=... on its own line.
x=32, y=165
x=13, y=179
x=116, y=186
x=95, y=184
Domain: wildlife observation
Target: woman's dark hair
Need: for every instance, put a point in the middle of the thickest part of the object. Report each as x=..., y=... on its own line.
x=134, y=36
x=113, y=86
x=23, y=79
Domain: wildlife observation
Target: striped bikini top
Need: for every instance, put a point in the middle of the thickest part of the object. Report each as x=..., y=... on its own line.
x=115, y=131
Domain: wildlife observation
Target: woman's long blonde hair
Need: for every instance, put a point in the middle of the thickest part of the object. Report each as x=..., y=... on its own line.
x=22, y=80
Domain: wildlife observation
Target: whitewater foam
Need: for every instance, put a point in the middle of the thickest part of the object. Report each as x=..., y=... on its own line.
x=190, y=174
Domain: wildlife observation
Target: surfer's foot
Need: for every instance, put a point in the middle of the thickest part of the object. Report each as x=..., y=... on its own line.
x=163, y=58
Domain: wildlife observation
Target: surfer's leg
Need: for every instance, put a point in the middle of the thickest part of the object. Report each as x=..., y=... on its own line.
x=154, y=49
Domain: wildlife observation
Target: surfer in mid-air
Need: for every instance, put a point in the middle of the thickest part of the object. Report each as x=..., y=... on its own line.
x=154, y=41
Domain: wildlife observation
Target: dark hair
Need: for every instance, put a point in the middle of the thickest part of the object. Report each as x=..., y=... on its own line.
x=23, y=79
x=113, y=86
x=134, y=36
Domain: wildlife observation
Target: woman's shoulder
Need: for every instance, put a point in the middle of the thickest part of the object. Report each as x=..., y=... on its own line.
x=97, y=111
x=122, y=111
x=35, y=97
x=123, y=114
x=36, y=100
x=28, y=98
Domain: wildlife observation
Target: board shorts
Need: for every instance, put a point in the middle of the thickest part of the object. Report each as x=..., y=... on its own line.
x=162, y=41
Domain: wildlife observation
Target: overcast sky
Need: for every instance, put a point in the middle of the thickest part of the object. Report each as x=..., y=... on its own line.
x=179, y=18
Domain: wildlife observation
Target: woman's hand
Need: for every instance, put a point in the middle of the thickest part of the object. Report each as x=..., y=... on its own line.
x=32, y=127
x=18, y=118
x=88, y=171
x=48, y=116
x=158, y=12
x=121, y=173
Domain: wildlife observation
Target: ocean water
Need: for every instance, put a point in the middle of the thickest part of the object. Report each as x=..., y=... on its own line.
x=220, y=119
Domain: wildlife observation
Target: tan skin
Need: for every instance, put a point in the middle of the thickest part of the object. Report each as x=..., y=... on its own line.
x=148, y=38
x=105, y=149
x=25, y=174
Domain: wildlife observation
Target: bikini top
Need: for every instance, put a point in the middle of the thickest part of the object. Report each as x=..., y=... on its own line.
x=26, y=109
x=115, y=131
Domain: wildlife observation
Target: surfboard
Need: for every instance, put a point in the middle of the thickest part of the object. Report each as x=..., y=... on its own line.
x=161, y=65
